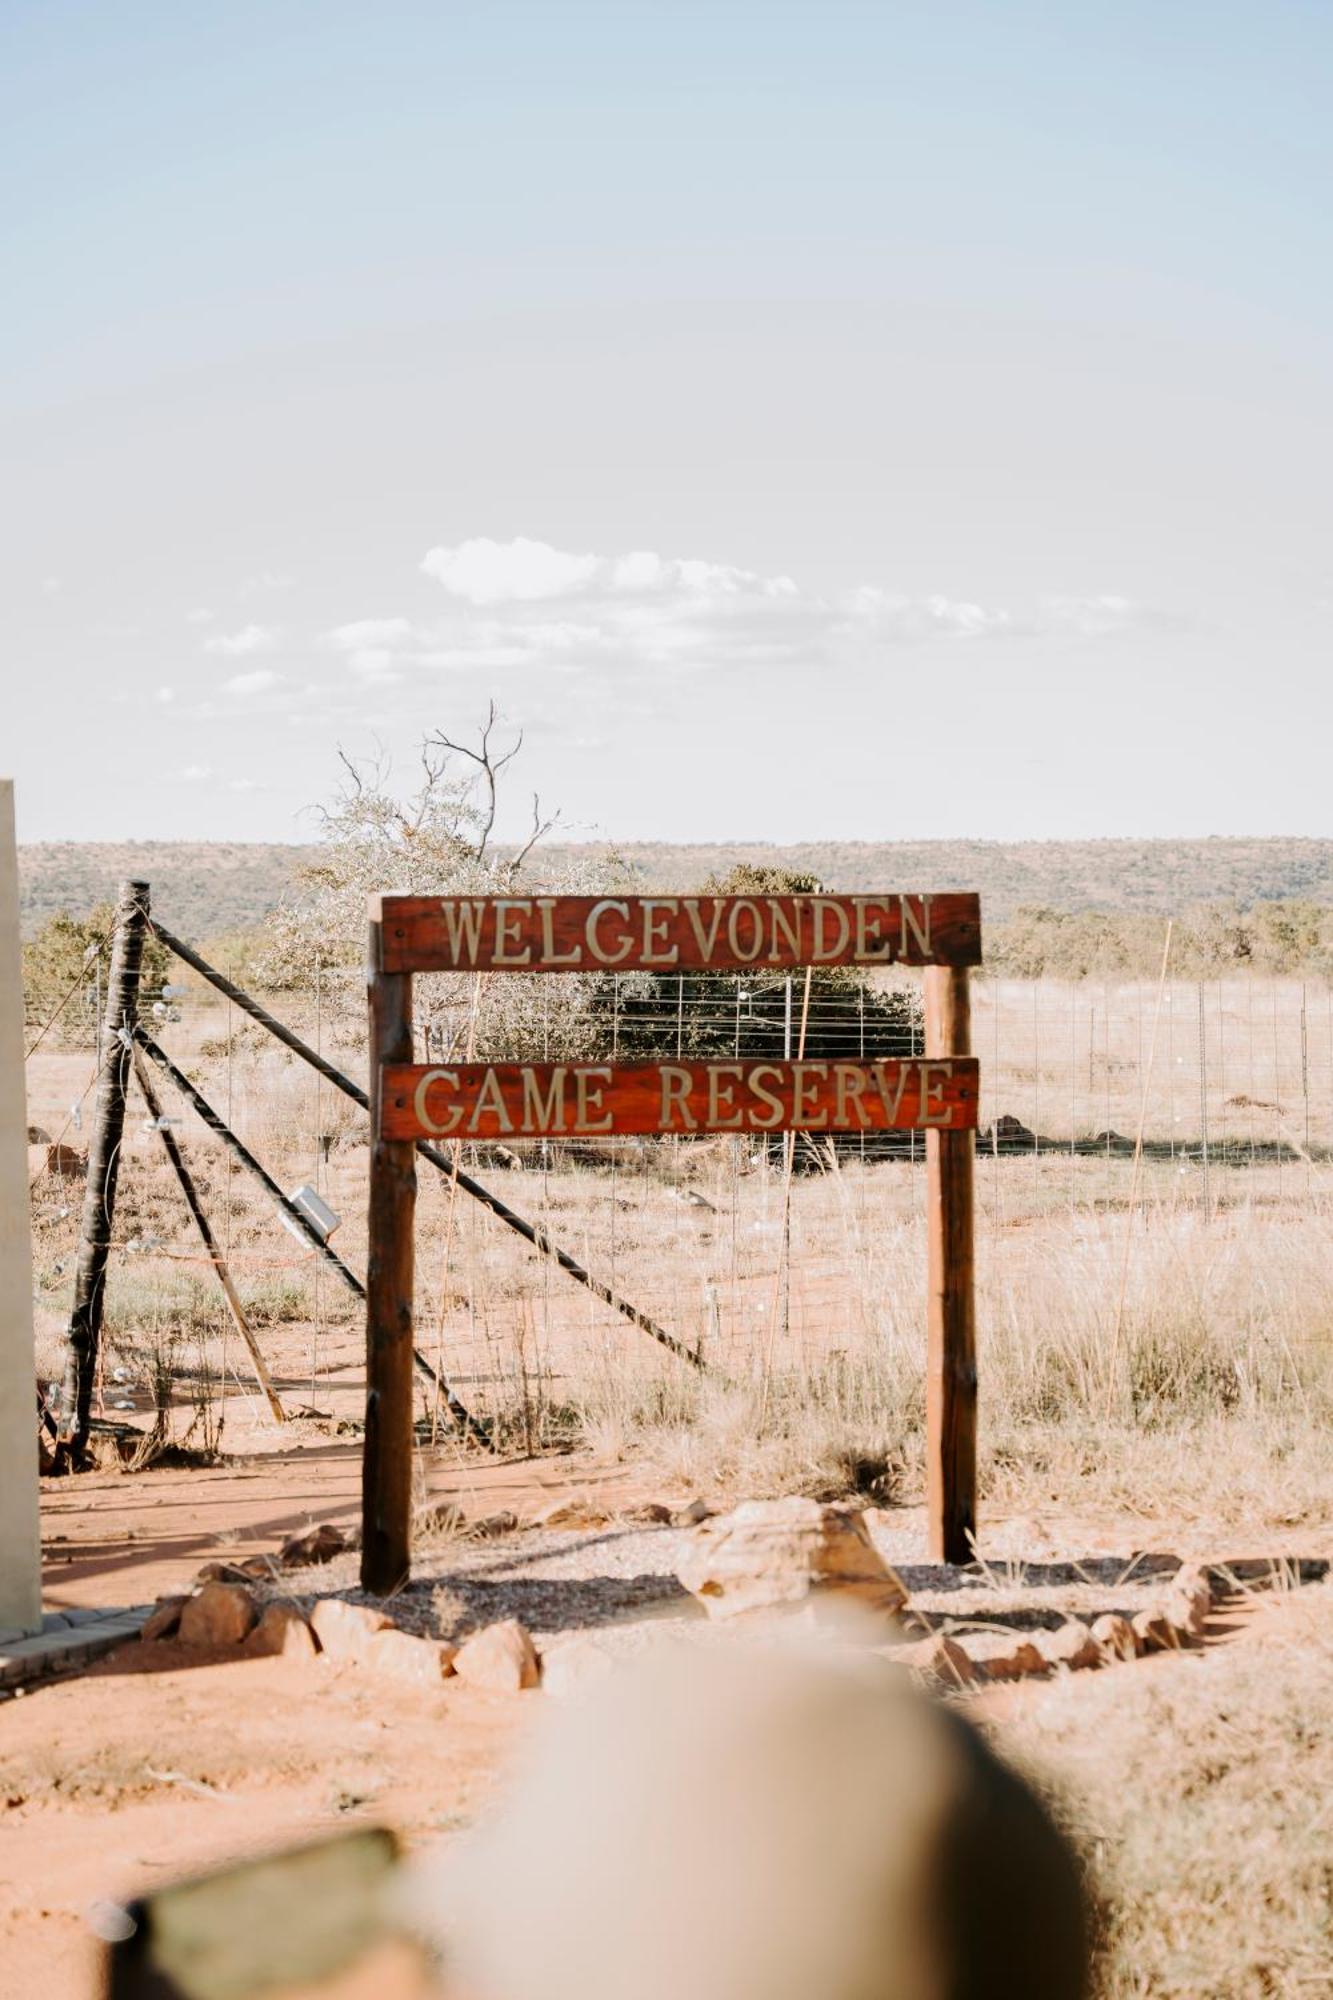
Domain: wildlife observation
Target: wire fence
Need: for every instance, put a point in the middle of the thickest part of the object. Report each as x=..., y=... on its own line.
x=1229, y=1084
x=1226, y=1084
x=1106, y=1107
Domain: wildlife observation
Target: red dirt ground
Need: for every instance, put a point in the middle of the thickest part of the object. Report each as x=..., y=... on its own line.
x=157, y=1763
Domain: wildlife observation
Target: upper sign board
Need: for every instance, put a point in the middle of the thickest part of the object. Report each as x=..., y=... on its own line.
x=674, y=933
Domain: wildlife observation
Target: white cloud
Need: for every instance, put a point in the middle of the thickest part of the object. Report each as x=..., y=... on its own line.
x=1091, y=617
x=375, y=663
x=892, y=616
x=641, y=571
x=200, y=617
x=363, y=632
x=244, y=785
x=166, y=694
x=250, y=639
x=620, y=624
x=256, y=682
x=522, y=571
x=195, y=774
x=486, y=572
x=968, y=621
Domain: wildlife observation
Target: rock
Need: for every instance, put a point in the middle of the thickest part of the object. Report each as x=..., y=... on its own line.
x=1114, y=1637
x=492, y=1525
x=502, y=1657
x=694, y=1515
x=282, y=1630
x=1071, y=1645
x=67, y=1161
x=1003, y=1656
x=651, y=1514
x=1154, y=1633
x=575, y=1664
x=571, y=1511
x=934, y=1659
x=345, y=1630
x=164, y=1619
x=440, y=1522
x=220, y=1615
x=320, y=1545
x=405, y=1657
x=37, y=1137
x=1008, y=1134
x=769, y=1554
x=220, y=1572
x=1189, y=1601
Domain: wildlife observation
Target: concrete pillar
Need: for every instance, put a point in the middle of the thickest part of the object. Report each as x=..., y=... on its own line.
x=20, y=1539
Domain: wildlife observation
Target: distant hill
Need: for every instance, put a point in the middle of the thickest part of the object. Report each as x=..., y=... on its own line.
x=200, y=888
x=204, y=888
x=1145, y=876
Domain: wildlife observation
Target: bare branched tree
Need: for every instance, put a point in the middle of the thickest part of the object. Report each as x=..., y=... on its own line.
x=437, y=838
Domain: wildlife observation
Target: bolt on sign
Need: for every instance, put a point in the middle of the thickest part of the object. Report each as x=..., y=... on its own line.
x=412, y=1103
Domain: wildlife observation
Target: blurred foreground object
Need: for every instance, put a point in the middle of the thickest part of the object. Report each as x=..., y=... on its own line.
x=762, y=1821
x=285, y=1924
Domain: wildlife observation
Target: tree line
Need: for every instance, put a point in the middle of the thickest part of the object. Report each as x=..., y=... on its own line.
x=1210, y=941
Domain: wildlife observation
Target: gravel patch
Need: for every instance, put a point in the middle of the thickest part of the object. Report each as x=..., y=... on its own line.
x=621, y=1582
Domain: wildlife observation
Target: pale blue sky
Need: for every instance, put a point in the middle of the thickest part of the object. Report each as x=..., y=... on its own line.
x=963, y=370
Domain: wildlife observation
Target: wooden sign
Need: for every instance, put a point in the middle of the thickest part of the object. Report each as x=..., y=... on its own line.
x=674, y=933
x=597, y=1100
x=412, y=1104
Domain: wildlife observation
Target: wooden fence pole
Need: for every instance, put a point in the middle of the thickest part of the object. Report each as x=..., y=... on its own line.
x=386, y=1467
x=951, y=1350
x=104, y=1150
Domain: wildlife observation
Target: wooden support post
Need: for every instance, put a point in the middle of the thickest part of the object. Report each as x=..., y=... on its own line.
x=209, y=1241
x=99, y=1201
x=386, y=1467
x=951, y=1348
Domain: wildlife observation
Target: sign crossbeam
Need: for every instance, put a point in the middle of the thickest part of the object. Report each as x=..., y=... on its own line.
x=676, y=933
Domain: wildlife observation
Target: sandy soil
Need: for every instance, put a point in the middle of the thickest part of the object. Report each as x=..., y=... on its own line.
x=153, y=1765
x=156, y=1764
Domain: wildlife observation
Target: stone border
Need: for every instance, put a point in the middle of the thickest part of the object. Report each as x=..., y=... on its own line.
x=67, y=1640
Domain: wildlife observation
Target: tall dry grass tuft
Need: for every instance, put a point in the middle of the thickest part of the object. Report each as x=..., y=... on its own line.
x=1215, y=1401
x=1201, y=1799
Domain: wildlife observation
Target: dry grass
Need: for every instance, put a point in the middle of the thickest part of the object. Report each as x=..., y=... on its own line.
x=1203, y=1787
x=1211, y=1403
x=1202, y=1794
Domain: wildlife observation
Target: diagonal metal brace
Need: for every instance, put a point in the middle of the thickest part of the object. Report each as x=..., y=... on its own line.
x=217, y=1124
x=439, y=1159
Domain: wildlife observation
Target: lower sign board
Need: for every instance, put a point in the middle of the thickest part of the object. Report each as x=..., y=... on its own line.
x=592, y=1100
